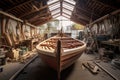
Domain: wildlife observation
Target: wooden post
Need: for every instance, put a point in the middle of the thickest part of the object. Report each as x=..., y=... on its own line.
x=58, y=56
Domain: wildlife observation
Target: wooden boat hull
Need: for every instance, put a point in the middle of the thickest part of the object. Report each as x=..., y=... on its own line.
x=66, y=60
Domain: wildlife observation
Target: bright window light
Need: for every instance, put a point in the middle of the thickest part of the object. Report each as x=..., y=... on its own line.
x=71, y=1
x=68, y=6
x=54, y=6
x=55, y=16
x=56, y=11
x=52, y=1
x=67, y=11
x=65, y=15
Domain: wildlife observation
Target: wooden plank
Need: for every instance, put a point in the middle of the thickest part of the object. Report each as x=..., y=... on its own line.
x=35, y=7
x=66, y=14
x=55, y=9
x=17, y=19
x=82, y=17
x=85, y=10
x=38, y=19
x=40, y=23
x=67, y=9
x=78, y=21
x=61, y=4
x=20, y=5
x=32, y=19
x=104, y=17
x=106, y=5
x=56, y=14
x=65, y=17
x=109, y=71
x=33, y=11
x=69, y=3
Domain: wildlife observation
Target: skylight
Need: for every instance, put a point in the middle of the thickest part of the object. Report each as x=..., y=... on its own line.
x=67, y=11
x=65, y=15
x=66, y=5
x=70, y=1
x=55, y=7
x=55, y=16
x=52, y=1
x=56, y=11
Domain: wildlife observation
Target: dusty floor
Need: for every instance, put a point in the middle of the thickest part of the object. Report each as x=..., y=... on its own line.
x=38, y=70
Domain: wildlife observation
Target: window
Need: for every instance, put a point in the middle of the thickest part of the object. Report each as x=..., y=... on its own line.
x=55, y=11
x=52, y=1
x=65, y=15
x=70, y=1
x=67, y=11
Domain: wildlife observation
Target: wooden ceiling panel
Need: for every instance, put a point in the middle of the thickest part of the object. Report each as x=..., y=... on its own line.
x=35, y=10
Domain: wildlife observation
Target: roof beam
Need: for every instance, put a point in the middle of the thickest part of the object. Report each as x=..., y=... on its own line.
x=78, y=21
x=55, y=9
x=39, y=9
x=40, y=23
x=67, y=14
x=56, y=14
x=67, y=9
x=87, y=11
x=66, y=17
x=82, y=17
x=43, y=22
x=39, y=16
x=14, y=18
x=37, y=20
x=69, y=3
x=104, y=17
x=107, y=5
x=19, y=5
x=61, y=4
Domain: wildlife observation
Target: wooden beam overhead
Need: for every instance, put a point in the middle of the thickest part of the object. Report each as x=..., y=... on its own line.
x=43, y=22
x=66, y=17
x=69, y=3
x=82, y=17
x=14, y=18
x=55, y=9
x=104, y=4
x=39, y=16
x=35, y=7
x=61, y=4
x=87, y=11
x=104, y=17
x=28, y=1
x=41, y=8
x=56, y=14
x=67, y=9
x=41, y=19
x=66, y=14
x=78, y=21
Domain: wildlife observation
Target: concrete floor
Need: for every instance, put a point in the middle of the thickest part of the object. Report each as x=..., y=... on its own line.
x=10, y=68
x=38, y=70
